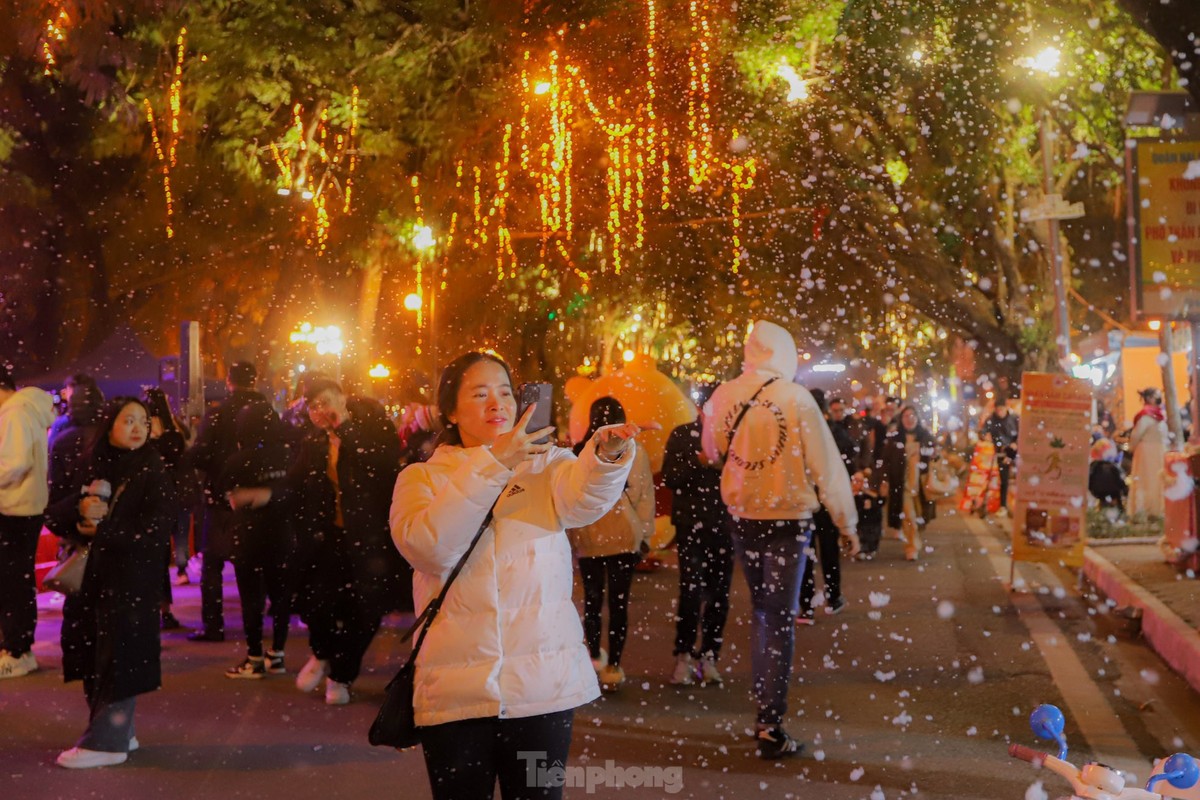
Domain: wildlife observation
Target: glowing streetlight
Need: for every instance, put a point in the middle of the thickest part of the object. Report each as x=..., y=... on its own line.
x=379, y=371
x=327, y=340
x=412, y=301
x=541, y=87
x=1046, y=61
x=917, y=56
x=628, y=355
x=423, y=238
x=1155, y=324
x=797, y=86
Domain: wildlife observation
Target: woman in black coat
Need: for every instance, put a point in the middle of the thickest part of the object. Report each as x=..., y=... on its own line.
x=907, y=452
x=110, y=636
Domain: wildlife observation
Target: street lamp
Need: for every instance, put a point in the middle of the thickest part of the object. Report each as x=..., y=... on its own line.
x=797, y=86
x=1052, y=209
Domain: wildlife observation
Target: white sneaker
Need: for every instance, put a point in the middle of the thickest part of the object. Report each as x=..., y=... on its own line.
x=709, y=674
x=80, y=758
x=336, y=694
x=600, y=663
x=134, y=744
x=685, y=670
x=311, y=674
x=14, y=667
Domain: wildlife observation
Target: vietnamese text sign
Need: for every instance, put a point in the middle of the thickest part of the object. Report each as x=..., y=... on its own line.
x=1052, y=469
x=1165, y=207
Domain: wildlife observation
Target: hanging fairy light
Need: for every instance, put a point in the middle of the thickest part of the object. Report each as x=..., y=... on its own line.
x=167, y=158
x=55, y=32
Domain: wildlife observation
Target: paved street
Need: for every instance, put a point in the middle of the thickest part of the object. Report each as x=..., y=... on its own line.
x=914, y=690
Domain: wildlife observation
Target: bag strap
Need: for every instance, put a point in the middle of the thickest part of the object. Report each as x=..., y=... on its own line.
x=431, y=611
x=742, y=413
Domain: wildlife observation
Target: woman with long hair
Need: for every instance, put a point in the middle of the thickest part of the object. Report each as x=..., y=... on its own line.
x=110, y=637
x=908, y=451
x=504, y=665
x=610, y=548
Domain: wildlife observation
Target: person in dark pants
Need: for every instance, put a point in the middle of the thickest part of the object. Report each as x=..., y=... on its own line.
x=825, y=532
x=504, y=665
x=257, y=489
x=110, y=636
x=610, y=548
x=1002, y=427
x=25, y=416
x=705, y=553
x=777, y=452
x=170, y=438
x=351, y=575
x=216, y=443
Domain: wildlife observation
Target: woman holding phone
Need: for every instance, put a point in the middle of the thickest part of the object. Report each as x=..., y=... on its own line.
x=110, y=637
x=504, y=665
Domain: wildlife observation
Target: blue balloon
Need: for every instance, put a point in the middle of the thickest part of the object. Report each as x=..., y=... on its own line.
x=1182, y=771
x=1048, y=723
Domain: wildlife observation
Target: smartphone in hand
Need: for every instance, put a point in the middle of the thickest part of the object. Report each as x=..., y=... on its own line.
x=540, y=394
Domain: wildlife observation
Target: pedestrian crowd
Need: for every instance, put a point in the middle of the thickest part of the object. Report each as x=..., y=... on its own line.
x=320, y=521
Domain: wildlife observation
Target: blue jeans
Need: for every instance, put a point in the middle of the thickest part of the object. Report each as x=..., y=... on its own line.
x=772, y=556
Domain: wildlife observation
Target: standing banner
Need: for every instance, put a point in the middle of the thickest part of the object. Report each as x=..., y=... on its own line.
x=1049, y=523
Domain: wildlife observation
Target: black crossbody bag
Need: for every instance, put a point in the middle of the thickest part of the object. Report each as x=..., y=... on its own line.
x=741, y=414
x=396, y=723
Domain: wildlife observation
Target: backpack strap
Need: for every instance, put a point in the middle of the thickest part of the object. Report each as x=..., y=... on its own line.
x=741, y=414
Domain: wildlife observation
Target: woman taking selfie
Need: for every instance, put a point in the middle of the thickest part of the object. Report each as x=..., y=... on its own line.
x=504, y=665
x=110, y=634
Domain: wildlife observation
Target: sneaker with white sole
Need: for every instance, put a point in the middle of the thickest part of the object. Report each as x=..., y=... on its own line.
x=17, y=666
x=336, y=694
x=600, y=663
x=251, y=669
x=774, y=742
x=685, y=670
x=709, y=674
x=275, y=662
x=134, y=744
x=311, y=674
x=81, y=758
x=835, y=607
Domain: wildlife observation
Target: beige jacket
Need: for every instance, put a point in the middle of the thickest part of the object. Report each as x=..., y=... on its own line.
x=628, y=524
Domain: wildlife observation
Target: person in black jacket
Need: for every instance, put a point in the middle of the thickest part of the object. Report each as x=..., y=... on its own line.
x=351, y=574
x=167, y=434
x=70, y=436
x=216, y=443
x=255, y=483
x=705, y=552
x=110, y=637
x=1003, y=427
x=907, y=453
x=825, y=533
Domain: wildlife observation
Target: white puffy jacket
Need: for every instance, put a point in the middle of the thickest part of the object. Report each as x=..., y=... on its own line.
x=508, y=642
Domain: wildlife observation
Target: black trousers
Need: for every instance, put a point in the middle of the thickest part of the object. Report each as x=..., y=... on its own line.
x=218, y=548
x=825, y=539
x=260, y=565
x=705, y=575
x=341, y=620
x=18, y=592
x=619, y=572
x=1004, y=467
x=465, y=759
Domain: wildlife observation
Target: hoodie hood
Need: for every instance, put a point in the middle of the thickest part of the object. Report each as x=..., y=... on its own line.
x=33, y=401
x=770, y=349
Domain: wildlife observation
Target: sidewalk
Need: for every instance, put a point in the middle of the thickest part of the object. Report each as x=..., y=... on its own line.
x=1136, y=577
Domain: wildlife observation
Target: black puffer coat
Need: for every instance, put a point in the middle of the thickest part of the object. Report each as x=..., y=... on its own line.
x=361, y=553
x=110, y=631
x=895, y=472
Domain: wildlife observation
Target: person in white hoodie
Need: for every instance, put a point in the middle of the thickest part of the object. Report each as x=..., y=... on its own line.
x=25, y=417
x=776, y=451
x=504, y=664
